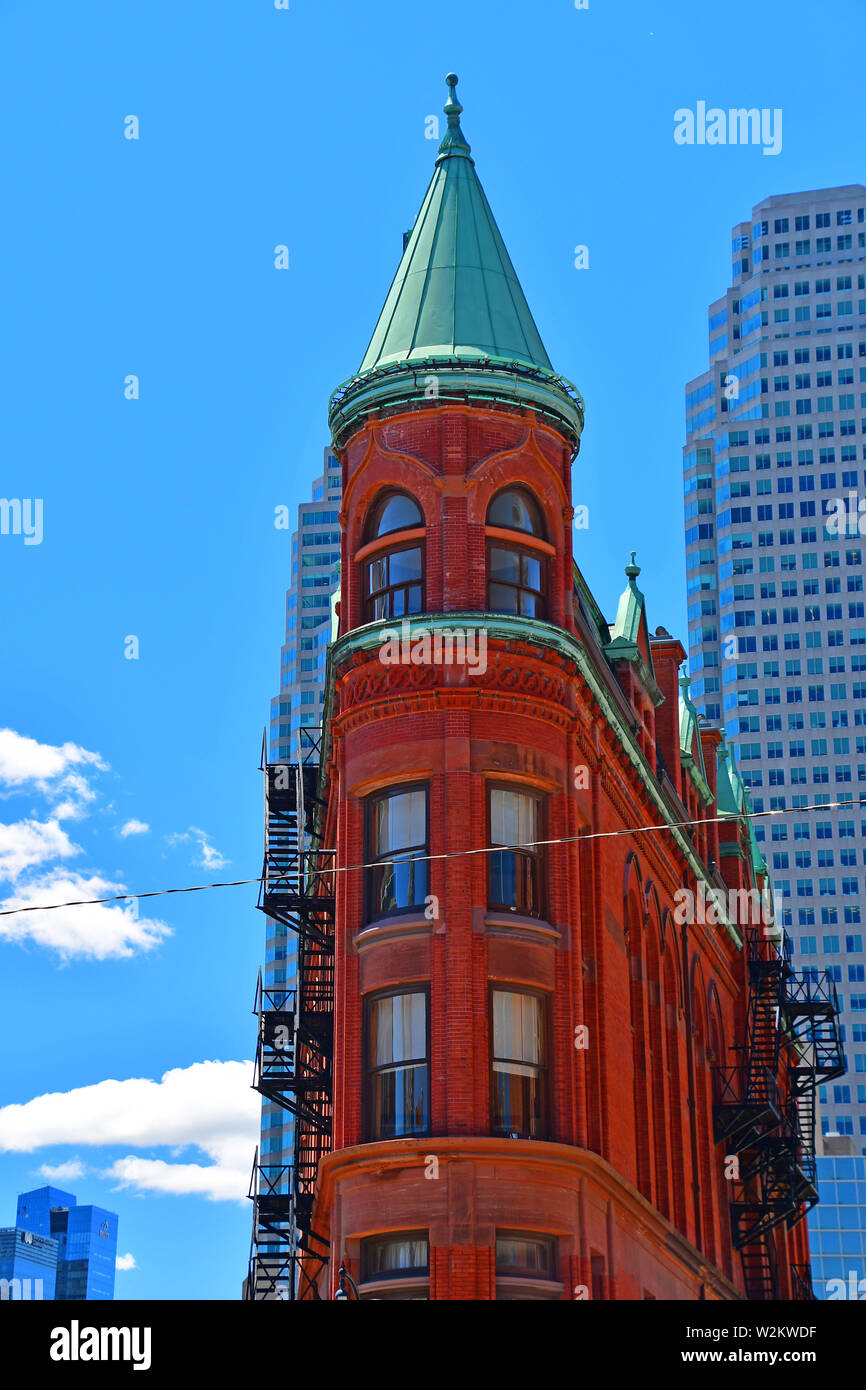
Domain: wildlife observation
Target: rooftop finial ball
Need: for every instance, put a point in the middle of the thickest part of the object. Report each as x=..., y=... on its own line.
x=452, y=79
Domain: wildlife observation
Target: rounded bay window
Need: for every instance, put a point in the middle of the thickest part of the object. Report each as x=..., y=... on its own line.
x=517, y=555
x=392, y=559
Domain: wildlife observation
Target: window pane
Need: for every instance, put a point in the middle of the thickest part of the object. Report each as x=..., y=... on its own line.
x=503, y=600
x=513, y=817
x=513, y=509
x=376, y=571
x=393, y=1254
x=405, y=565
x=398, y=514
x=399, y=1031
x=504, y=565
x=398, y=885
x=531, y=1255
x=517, y=1100
x=401, y=822
x=531, y=572
x=517, y=1027
x=400, y=1101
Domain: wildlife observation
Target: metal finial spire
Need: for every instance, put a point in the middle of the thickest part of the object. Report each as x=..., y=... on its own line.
x=632, y=570
x=455, y=141
x=452, y=106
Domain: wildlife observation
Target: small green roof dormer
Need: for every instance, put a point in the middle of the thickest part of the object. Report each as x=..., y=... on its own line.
x=729, y=786
x=735, y=802
x=629, y=634
x=455, y=310
x=691, y=748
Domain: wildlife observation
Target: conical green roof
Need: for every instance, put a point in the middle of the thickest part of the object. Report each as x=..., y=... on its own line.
x=455, y=308
x=455, y=292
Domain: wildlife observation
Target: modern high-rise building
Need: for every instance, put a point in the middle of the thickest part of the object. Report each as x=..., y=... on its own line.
x=86, y=1239
x=525, y=1062
x=28, y=1265
x=837, y=1225
x=315, y=576
x=774, y=474
x=296, y=714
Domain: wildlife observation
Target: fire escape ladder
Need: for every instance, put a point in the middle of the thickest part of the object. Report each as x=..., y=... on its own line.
x=765, y=1114
x=294, y=1050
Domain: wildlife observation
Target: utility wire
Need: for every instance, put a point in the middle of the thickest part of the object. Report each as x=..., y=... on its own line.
x=452, y=854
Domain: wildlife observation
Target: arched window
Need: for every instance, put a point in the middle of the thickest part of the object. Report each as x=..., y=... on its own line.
x=516, y=511
x=516, y=569
x=393, y=575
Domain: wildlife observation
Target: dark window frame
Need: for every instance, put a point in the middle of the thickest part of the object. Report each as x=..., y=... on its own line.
x=524, y=1272
x=523, y=552
x=371, y=1131
x=368, y=1276
x=507, y=987
x=375, y=860
x=386, y=553
x=371, y=529
x=532, y=505
x=535, y=857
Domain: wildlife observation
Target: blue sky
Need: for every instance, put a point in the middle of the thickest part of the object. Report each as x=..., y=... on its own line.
x=155, y=257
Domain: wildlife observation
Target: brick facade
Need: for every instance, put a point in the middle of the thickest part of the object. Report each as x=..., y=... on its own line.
x=629, y=1180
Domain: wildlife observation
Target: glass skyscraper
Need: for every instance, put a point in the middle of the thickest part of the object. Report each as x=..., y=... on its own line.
x=86, y=1241
x=774, y=474
x=314, y=578
x=28, y=1265
x=837, y=1225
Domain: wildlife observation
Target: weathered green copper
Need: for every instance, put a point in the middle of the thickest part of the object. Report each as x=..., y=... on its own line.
x=455, y=141
x=729, y=799
x=734, y=799
x=624, y=642
x=455, y=311
x=690, y=737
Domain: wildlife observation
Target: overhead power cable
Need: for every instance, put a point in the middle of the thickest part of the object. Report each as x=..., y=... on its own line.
x=452, y=854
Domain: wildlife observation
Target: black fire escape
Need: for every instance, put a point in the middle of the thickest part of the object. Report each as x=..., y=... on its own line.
x=293, y=1067
x=767, y=1119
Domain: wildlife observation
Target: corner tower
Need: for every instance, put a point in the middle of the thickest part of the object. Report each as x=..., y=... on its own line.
x=520, y=1096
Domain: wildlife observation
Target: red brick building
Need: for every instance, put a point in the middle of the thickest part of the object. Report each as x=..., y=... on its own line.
x=555, y=1074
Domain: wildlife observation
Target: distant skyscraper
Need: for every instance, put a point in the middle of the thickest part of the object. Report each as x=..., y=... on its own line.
x=28, y=1265
x=314, y=578
x=776, y=431
x=86, y=1241
x=837, y=1225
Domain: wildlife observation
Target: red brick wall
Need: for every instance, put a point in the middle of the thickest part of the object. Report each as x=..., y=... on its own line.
x=612, y=960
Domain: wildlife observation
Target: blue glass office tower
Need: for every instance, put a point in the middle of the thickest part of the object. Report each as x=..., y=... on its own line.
x=837, y=1225
x=315, y=561
x=314, y=579
x=28, y=1265
x=776, y=446
x=86, y=1238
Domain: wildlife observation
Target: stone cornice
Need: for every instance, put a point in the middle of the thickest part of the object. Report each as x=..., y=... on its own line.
x=566, y=1160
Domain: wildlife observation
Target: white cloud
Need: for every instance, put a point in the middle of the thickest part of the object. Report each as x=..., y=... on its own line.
x=208, y=856
x=210, y=1105
x=125, y=1262
x=28, y=842
x=23, y=760
x=215, y=1181
x=63, y=1172
x=55, y=771
x=134, y=827
x=100, y=931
